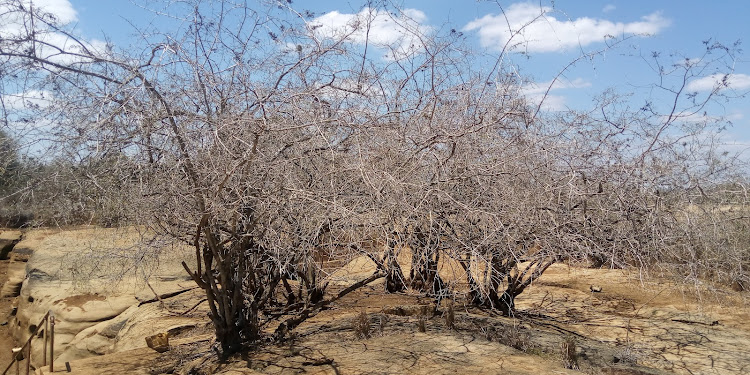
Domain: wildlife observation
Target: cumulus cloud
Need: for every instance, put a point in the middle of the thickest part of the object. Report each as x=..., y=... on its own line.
x=534, y=28
x=398, y=32
x=537, y=93
x=57, y=47
x=720, y=81
x=541, y=87
x=27, y=100
x=62, y=10
x=56, y=11
x=608, y=8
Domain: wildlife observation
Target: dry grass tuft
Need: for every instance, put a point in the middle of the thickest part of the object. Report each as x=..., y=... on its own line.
x=422, y=319
x=568, y=352
x=450, y=317
x=361, y=326
x=513, y=336
x=382, y=324
x=421, y=326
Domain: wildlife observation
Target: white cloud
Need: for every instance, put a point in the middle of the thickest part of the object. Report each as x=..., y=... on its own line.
x=552, y=103
x=536, y=30
x=608, y=8
x=720, y=81
x=62, y=9
x=66, y=47
x=400, y=32
x=29, y=99
x=14, y=28
x=541, y=87
x=537, y=93
x=59, y=11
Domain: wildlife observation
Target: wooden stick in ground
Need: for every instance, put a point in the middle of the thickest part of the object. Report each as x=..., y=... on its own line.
x=51, y=342
x=46, y=335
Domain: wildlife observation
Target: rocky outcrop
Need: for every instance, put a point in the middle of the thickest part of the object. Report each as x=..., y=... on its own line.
x=16, y=273
x=15, y=267
x=94, y=282
x=8, y=239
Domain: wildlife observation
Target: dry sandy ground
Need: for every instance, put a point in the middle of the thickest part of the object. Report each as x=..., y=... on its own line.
x=683, y=329
x=628, y=328
x=632, y=326
x=7, y=266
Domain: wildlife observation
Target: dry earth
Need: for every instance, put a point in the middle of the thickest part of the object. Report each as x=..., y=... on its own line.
x=633, y=326
x=10, y=269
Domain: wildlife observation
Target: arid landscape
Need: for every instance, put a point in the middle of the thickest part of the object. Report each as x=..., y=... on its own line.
x=385, y=187
x=634, y=325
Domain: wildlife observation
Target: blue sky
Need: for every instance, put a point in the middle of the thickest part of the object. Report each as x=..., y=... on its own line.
x=567, y=29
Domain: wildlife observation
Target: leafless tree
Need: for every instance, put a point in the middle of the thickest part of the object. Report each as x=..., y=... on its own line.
x=281, y=151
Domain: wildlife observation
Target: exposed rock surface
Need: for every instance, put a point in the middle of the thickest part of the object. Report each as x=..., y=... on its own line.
x=101, y=302
x=16, y=272
x=11, y=276
x=8, y=239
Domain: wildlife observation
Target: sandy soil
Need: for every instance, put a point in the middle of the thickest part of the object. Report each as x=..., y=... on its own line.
x=694, y=329
x=629, y=328
x=632, y=326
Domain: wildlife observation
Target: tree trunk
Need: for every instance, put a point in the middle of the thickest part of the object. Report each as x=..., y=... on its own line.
x=229, y=339
x=423, y=275
x=394, y=278
x=506, y=304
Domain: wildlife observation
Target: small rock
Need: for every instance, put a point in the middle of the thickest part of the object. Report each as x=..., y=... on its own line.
x=18, y=354
x=595, y=288
x=158, y=342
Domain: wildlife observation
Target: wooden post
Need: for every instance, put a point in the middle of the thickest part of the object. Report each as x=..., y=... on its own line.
x=28, y=358
x=16, y=352
x=51, y=342
x=46, y=335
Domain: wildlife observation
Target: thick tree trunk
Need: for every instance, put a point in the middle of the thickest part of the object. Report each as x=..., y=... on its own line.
x=229, y=339
x=505, y=303
x=394, y=278
x=233, y=335
x=423, y=275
